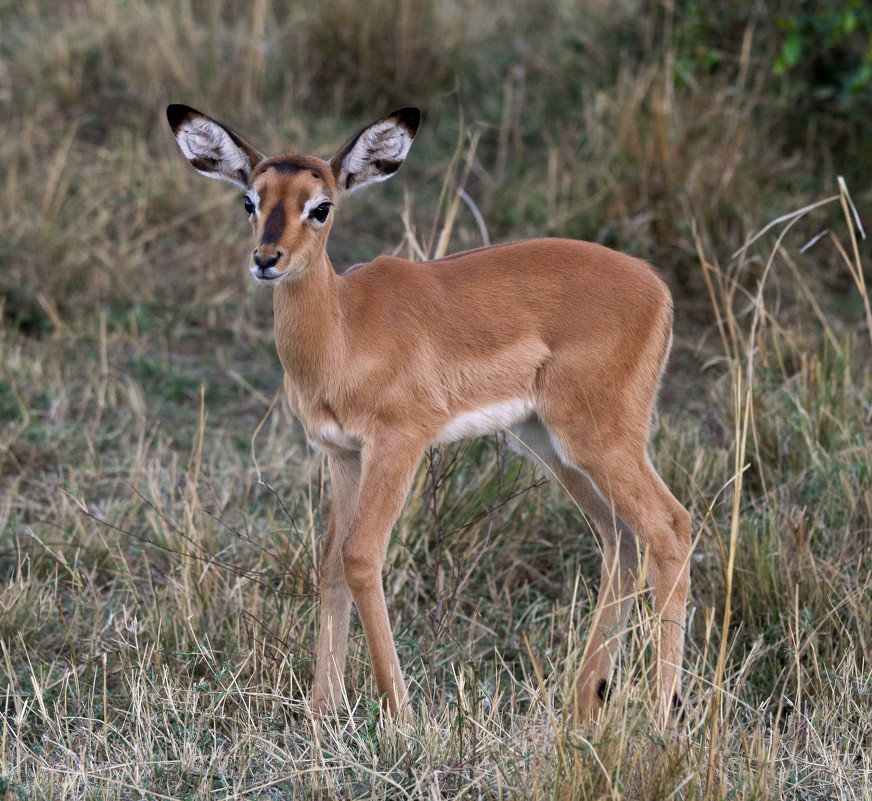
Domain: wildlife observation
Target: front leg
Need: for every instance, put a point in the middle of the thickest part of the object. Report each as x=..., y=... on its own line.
x=388, y=469
x=335, y=595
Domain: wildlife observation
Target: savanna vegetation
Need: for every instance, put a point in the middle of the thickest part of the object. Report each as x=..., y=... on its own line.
x=160, y=513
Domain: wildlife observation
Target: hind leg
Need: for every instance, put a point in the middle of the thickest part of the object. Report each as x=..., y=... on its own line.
x=618, y=578
x=662, y=525
x=617, y=591
x=625, y=476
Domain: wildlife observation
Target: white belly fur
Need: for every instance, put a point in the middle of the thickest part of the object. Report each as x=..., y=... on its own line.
x=487, y=420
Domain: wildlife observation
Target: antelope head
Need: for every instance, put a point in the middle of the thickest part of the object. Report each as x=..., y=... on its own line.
x=290, y=199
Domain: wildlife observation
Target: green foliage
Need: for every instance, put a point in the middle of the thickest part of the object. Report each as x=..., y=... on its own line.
x=814, y=58
x=829, y=46
x=825, y=69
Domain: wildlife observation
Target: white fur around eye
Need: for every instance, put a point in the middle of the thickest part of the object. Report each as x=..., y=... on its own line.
x=313, y=203
x=252, y=195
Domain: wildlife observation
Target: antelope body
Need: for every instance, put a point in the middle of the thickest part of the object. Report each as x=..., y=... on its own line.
x=561, y=342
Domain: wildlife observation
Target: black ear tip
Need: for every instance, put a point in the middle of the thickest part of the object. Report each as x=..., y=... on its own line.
x=177, y=114
x=409, y=118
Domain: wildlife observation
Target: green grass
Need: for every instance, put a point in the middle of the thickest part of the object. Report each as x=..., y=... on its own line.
x=160, y=514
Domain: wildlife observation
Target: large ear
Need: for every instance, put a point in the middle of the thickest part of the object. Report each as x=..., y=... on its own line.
x=377, y=152
x=213, y=150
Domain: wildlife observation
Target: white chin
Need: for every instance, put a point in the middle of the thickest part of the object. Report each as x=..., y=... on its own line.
x=267, y=280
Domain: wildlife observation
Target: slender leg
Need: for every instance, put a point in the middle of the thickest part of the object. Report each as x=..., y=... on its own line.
x=609, y=447
x=388, y=469
x=335, y=595
x=663, y=526
x=618, y=581
x=619, y=571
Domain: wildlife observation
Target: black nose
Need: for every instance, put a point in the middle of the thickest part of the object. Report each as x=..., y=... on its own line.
x=269, y=261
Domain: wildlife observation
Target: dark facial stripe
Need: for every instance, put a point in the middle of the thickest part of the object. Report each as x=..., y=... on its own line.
x=275, y=225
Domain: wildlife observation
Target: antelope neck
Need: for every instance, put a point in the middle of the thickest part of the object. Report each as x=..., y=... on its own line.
x=308, y=322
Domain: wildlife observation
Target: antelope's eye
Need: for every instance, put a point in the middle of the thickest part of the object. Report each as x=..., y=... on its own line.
x=249, y=205
x=320, y=212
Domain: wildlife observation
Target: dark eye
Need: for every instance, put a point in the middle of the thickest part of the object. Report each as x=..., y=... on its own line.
x=320, y=212
x=249, y=205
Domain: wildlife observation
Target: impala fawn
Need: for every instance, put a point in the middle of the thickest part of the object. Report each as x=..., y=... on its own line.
x=562, y=343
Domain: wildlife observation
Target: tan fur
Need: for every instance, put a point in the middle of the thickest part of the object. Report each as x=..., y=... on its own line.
x=379, y=361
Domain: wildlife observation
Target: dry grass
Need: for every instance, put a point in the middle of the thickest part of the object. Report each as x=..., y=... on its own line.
x=160, y=514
